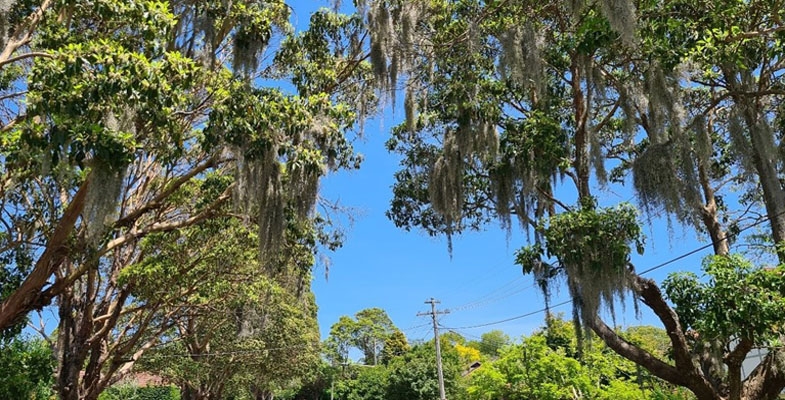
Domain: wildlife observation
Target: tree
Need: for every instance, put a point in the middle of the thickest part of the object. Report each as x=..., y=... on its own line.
x=372, y=330
x=118, y=114
x=543, y=368
x=339, y=342
x=368, y=332
x=531, y=370
x=226, y=336
x=491, y=342
x=28, y=367
x=413, y=376
x=507, y=102
x=395, y=345
x=365, y=384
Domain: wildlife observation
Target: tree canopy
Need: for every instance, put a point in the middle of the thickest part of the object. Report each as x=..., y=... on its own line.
x=139, y=139
x=161, y=160
x=525, y=112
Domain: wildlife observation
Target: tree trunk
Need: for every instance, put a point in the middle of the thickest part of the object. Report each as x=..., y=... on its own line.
x=685, y=373
x=719, y=238
x=71, y=349
x=734, y=361
x=580, y=105
x=767, y=380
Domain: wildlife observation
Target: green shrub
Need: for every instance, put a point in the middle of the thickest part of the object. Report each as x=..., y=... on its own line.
x=133, y=392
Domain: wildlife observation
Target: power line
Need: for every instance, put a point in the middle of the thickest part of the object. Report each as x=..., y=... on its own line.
x=411, y=328
x=658, y=266
x=689, y=253
x=529, y=314
x=485, y=272
x=461, y=333
x=481, y=304
x=492, y=297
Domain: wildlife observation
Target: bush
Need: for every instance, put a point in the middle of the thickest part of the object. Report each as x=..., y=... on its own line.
x=133, y=392
x=27, y=369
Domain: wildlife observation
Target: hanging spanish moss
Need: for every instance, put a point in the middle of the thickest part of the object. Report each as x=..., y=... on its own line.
x=659, y=102
x=521, y=57
x=393, y=39
x=504, y=190
x=446, y=185
x=259, y=191
x=655, y=178
x=249, y=44
x=303, y=187
x=474, y=137
x=5, y=8
x=410, y=108
x=319, y=134
x=631, y=99
x=593, y=247
x=741, y=147
x=102, y=200
x=597, y=155
x=665, y=175
x=124, y=121
x=665, y=179
x=621, y=16
x=595, y=95
x=380, y=28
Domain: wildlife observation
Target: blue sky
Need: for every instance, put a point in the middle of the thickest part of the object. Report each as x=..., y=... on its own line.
x=382, y=266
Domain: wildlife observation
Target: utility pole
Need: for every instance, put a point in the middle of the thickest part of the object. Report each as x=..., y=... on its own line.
x=433, y=302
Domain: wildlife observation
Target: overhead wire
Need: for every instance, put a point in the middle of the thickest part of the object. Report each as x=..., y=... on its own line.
x=472, y=282
x=486, y=300
x=510, y=285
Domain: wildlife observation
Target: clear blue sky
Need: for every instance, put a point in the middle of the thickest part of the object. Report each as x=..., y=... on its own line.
x=382, y=266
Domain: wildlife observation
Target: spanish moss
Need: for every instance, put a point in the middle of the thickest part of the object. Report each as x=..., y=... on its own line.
x=5, y=8
x=259, y=190
x=521, y=58
x=621, y=16
x=102, y=201
x=446, y=185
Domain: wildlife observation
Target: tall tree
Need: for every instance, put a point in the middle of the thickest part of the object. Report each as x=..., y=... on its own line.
x=395, y=345
x=512, y=105
x=493, y=341
x=229, y=320
x=118, y=114
x=368, y=332
x=118, y=105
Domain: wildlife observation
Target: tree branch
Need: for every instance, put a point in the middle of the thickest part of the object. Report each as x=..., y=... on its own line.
x=25, y=56
x=23, y=33
x=29, y=295
x=157, y=202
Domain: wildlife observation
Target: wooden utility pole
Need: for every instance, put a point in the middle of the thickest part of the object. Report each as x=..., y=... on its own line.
x=433, y=302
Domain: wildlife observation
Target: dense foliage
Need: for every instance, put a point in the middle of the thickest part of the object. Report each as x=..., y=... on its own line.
x=27, y=367
x=158, y=185
x=544, y=365
x=131, y=392
x=131, y=128
x=534, y=110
